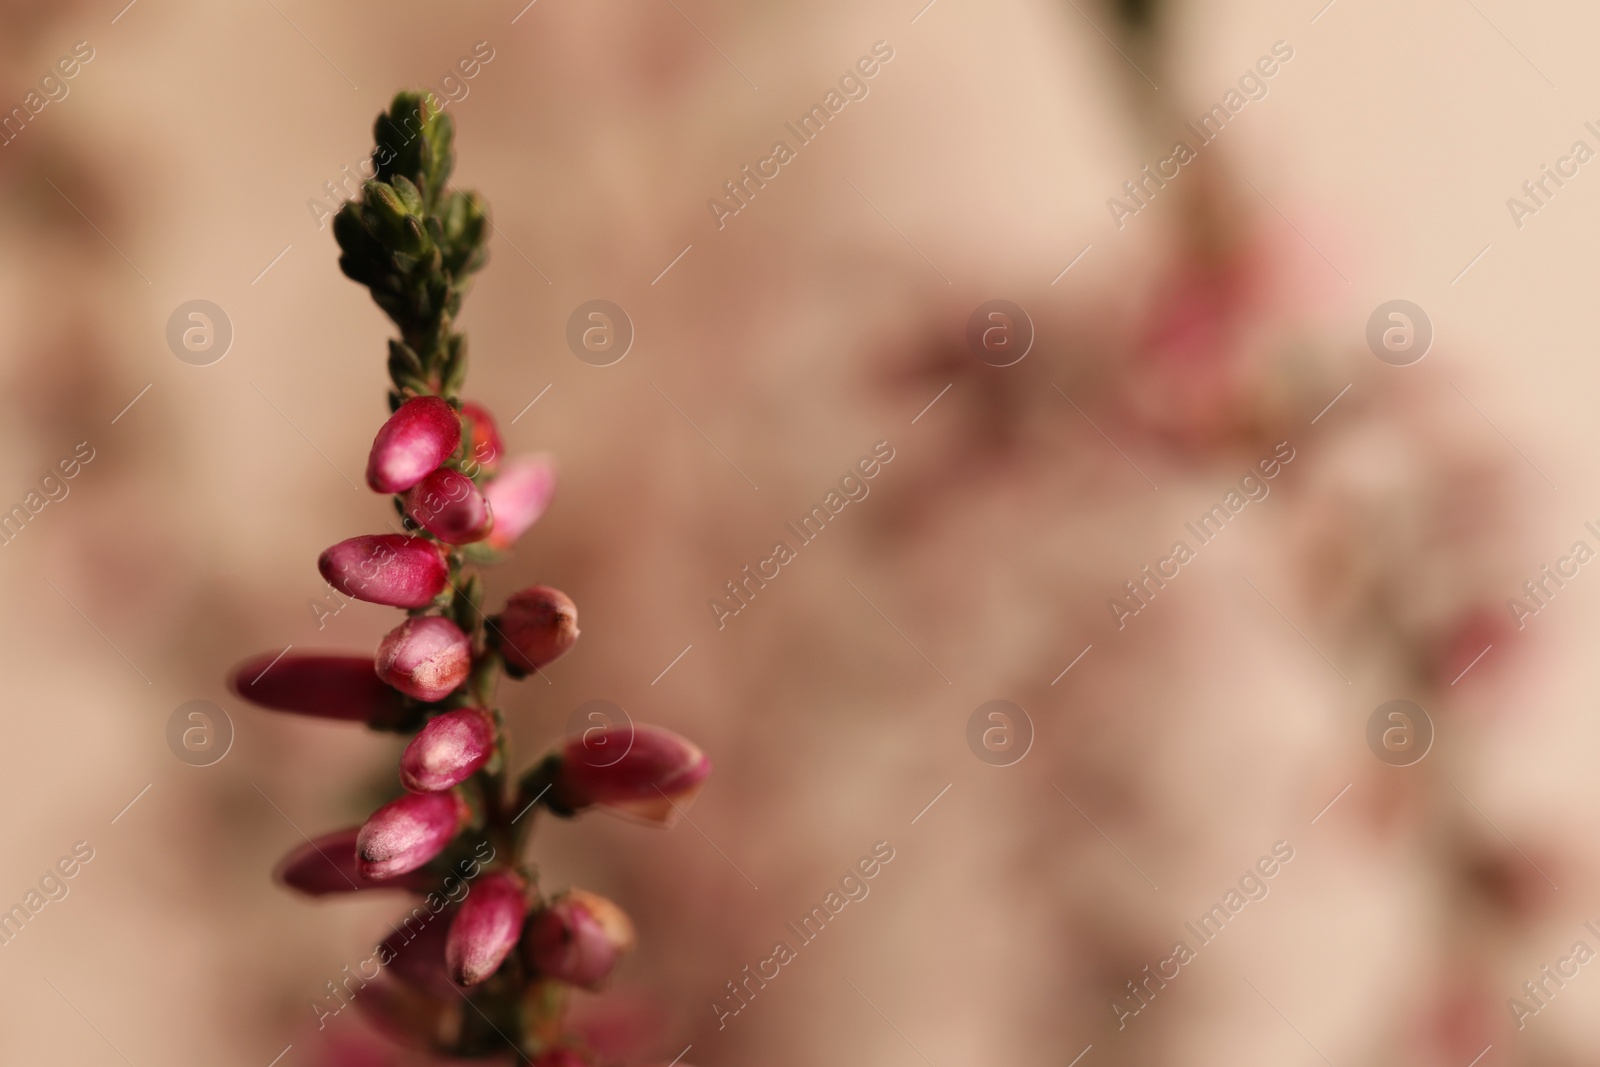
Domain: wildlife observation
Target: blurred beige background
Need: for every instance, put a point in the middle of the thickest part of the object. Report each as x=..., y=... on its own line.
x=823, y=318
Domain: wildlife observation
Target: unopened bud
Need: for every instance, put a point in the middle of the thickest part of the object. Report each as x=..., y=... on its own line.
x=412, y=444
x=535, y=627
x=484, y=446
x=327, y=865
x=392, y=569
x=425, y=657
x=450, y=507
x=578, y=939
x=658, y=774
x=485, y=928
x=406, y=833
x=448, y=751
x=329, y=687
x=518, y=495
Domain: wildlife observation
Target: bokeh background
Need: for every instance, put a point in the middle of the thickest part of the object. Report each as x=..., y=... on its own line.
x=1178, y=350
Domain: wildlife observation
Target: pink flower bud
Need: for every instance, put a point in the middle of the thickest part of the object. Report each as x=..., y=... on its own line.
x=448, y=750
x=485, y=928
x=406, y=833
x=412, y=444
x=425, y=657
x=536, y=626
x=392, y=569
x=450, y=507
x=330, y=687
x=657, y=774
x=518, y=495
x=578, y=939
x=327, y=865
x=484, y=446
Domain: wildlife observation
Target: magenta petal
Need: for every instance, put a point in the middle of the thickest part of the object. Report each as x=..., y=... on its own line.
x=329, y=687
x=327, y=865
x=518, y=495
x=658, y=774
x=486, y=928
x=392, y=569
x=578, y=939
x=537, y=625
x=412, y=444
x=406, y=833
x=485, y=446
x=448, y=750
x=450, y=507
x=425, y=657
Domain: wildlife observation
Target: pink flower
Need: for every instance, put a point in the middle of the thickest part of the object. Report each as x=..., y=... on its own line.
x=485, y=928
x=330, y=687
x=536, y=626
x=406, y=833
x=448, y=750
x=327, y=865
x=656, y=775
x=392, y=569
x=415, y=440
x=518, y=496
x=578, y=939
x=450, y=507
x=484, y=445
x=425, y=657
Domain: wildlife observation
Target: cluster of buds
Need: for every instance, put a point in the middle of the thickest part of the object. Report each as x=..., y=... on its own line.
x=483, y=967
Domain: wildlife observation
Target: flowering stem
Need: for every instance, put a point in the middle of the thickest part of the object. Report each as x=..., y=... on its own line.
x=414, y=242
